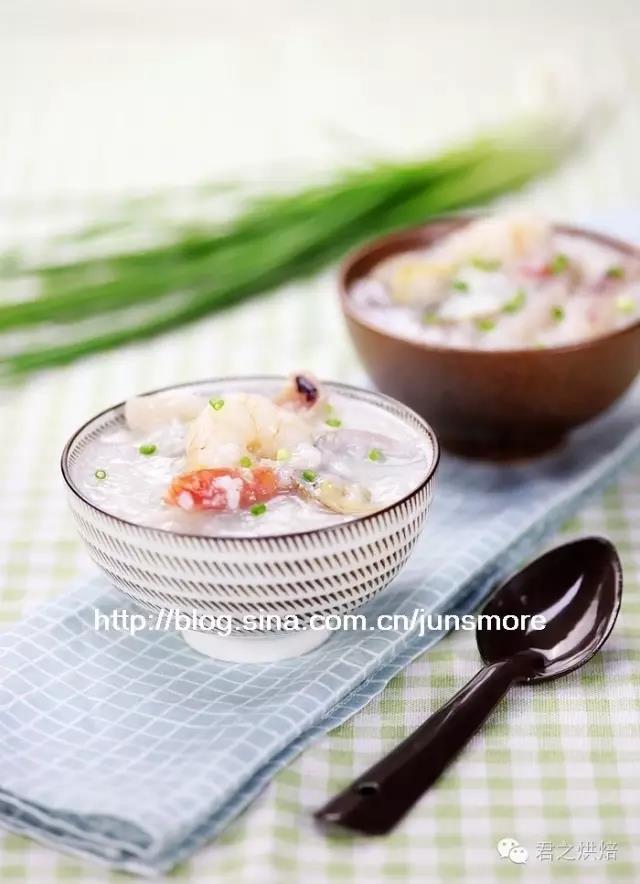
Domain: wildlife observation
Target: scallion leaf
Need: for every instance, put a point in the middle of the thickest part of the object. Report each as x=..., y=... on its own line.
x=258, y=509
x=489, y=265
x=485, y=324
x=148, y=449
x=516, y=303
x=625, y=304
x=558, y=264
x=430, y=317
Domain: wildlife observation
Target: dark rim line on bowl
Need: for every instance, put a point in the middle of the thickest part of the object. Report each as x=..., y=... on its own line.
x=460, y=221
x=244, y=538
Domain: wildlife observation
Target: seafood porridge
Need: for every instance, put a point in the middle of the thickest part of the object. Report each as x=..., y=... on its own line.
x=502, y=283
x=252, y=459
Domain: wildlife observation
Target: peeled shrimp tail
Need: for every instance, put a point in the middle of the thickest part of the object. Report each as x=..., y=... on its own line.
x=243, y=426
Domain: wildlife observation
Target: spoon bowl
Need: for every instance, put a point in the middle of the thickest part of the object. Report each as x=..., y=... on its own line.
x=577, y=589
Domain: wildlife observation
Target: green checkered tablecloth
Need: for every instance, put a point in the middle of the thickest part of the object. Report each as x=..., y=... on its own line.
x=557, y=763
x=86, y=98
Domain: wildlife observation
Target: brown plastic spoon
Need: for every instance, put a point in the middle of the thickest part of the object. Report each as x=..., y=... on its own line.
x=577, y=588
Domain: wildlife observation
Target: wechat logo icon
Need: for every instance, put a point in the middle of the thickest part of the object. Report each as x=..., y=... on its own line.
x=509, y=848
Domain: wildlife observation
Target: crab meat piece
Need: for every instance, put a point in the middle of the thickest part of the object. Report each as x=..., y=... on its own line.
x=224, y=490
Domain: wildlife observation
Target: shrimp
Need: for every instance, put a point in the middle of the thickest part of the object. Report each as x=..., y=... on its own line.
x=423, y=278
x=224, y=489
x=242, y=426
x=501, y=238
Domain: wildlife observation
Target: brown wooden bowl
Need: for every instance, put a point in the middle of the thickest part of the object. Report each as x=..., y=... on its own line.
x=499, y=404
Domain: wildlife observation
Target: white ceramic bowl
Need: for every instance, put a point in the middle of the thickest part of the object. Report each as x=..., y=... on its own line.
x=328, y=570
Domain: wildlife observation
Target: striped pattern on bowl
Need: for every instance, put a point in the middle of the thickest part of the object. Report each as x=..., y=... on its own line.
x=329, y=570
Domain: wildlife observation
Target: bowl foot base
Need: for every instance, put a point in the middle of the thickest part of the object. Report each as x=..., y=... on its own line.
x=253, y=648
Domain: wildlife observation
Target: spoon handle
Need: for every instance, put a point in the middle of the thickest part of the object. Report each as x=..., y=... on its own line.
x=375, y=801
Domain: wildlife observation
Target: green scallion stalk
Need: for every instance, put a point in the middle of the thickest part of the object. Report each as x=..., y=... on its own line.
x=271, y=241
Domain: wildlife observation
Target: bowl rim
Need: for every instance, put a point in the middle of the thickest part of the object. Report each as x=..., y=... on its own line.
x=246, y=538
x=460, y=220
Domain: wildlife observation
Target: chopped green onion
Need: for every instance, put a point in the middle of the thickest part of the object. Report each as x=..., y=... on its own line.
x=333, y=422
x=558, y=263
x=282, y=454
x=625, y=304
x=486, y=264
x=485, y=324
x=375, y=455
x=100, y=474
x=258, y=509
x=460, y=285
x=216, y=404
x=615, y=272
x=557, y=313
x=309, y=475
x=430, y=317
x=148, y=449
x=516, y=303
x=245, y=461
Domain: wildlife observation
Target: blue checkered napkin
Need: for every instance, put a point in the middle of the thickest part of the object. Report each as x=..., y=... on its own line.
x=134, y=750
